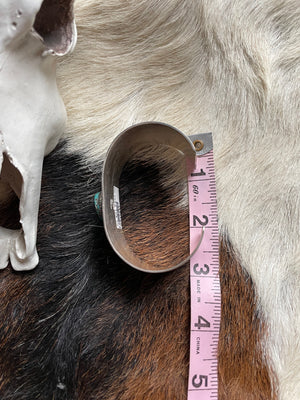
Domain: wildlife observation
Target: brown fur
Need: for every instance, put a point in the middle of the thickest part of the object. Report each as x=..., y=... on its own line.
x=243, y=370
x=135, y=343
x=85, y=326
x=154, y=185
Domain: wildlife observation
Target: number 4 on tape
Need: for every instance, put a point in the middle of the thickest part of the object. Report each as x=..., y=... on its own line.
x=204, y=278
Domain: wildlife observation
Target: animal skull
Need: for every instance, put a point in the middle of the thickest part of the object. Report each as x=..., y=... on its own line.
x=32, y=33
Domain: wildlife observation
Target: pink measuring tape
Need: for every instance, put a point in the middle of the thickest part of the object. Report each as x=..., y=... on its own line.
x=204, y=239
x=204, y=276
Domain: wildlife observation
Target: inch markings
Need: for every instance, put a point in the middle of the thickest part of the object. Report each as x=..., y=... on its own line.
x=205, y=293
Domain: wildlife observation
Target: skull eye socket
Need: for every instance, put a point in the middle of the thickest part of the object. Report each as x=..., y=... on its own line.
x=10, y=189
x=54, y=23
x=10, y=214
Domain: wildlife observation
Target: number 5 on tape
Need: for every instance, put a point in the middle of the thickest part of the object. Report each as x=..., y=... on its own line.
x=204, y=275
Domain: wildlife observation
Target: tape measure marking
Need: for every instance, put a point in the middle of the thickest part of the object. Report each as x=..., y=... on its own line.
x=204, y=282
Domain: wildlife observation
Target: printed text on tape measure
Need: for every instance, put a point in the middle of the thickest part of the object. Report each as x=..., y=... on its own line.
x=204, y=281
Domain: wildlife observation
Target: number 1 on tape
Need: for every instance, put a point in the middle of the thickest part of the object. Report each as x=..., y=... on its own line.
x=204, y=280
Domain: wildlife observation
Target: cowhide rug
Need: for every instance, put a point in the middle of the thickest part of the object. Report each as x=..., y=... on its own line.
x=83, y=324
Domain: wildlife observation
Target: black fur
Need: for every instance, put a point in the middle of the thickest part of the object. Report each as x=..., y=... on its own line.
x=84, y=325
x=75, y=310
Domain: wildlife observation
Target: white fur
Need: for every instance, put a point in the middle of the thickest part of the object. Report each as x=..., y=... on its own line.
x=226, y=66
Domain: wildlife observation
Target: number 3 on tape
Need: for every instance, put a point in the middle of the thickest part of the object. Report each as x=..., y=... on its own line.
x=204, y=278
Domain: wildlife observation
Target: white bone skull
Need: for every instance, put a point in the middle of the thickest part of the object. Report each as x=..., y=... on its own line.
x=32, y=114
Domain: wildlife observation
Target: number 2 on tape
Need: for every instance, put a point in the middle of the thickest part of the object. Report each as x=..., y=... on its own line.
x=204, y=280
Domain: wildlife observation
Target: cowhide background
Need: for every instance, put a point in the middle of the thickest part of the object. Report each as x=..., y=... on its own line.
x=84, y=325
